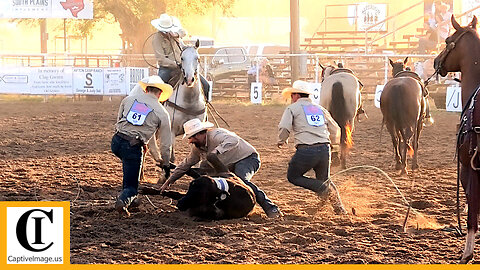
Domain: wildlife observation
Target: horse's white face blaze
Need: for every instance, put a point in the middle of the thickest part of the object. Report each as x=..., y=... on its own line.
x=190, y=65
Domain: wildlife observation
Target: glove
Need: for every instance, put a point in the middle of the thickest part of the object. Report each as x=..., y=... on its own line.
x=216, y=163
x=167, y=168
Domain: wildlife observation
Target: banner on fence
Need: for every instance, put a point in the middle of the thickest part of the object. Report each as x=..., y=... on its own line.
x=51, y=81
x=35, y=9
x=134, y=75
x=114, y=82
x=88, y=81
x=14, y=80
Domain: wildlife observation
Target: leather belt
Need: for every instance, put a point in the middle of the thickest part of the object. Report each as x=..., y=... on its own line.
x=299, y=146
x=132, y=140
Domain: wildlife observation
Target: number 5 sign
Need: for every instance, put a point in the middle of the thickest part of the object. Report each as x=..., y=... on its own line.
x=256, y=93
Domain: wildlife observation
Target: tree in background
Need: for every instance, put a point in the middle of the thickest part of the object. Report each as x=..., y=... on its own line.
x=134, y=17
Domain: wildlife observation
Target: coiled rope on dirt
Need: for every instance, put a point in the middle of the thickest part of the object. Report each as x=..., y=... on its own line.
x=329, y=180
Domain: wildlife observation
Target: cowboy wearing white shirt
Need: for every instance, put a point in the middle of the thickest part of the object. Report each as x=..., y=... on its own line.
x=313, y=130
x=139, y=117
x=225, y=149
x=168, y=45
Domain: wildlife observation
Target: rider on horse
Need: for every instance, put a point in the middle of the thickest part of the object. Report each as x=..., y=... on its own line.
x=167, y=45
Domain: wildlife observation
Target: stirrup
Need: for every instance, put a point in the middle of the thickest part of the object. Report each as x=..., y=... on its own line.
x=472, y=160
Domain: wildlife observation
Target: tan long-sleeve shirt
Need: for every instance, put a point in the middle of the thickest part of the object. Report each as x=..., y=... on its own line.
x=229, y=147
x=309, y=122
x=156, y=119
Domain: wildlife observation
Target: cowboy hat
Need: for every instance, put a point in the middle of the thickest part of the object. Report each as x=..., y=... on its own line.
x=194, y=126
x=167, y=23
x=156, y=81
x=297, y=87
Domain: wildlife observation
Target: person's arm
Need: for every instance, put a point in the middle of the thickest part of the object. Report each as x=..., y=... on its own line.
x=284, y=127
x=120, y=110
x=165, y=136
x=162, y=59
x=192, y=159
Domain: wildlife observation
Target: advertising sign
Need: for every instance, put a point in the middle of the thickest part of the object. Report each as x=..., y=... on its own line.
x=14, y=80
x=66, y=9
x=134, y=75
x=88, y=81
x=369, y=14
x=114, y=81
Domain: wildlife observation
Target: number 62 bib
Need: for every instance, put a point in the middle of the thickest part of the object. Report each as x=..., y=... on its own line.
x=314, y=115
x=137, y=114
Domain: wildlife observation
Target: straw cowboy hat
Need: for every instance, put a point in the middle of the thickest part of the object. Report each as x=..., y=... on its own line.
x=157, y=82
x=194, y=126
x=297, y=87
x=167, y=23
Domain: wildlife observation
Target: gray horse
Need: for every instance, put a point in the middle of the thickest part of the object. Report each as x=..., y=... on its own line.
x=187, y=100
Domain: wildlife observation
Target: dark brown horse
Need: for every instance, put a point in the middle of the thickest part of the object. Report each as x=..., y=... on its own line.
x=462, y=53
x=402, y=105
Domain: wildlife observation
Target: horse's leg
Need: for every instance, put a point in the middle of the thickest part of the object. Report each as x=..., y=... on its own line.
x=403, y=151
x=472, y=189
x=395, y=142
x=415, y=143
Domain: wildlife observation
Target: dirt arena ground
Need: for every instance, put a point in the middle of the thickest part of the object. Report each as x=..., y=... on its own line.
x=60, y=150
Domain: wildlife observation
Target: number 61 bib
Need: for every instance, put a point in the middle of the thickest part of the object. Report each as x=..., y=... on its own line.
x=314, y=115
x=137, y=114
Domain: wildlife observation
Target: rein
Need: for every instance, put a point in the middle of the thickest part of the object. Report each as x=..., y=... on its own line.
x=450, y=46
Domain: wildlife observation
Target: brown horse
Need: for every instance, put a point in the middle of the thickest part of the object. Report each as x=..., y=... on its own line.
x=462, y=53
x=403, y=108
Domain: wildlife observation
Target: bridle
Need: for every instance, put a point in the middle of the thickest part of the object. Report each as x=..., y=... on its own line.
x=450, y=46
x=195, y=74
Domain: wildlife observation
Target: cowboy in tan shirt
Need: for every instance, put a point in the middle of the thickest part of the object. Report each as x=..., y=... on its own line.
x=226, y=148
x=314, y=130
x=139, y=118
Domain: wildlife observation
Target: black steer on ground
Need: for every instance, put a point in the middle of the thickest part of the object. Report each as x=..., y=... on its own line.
x=214, y=198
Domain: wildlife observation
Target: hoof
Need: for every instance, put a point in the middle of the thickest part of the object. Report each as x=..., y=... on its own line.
x=465, y=259
x=399, y=166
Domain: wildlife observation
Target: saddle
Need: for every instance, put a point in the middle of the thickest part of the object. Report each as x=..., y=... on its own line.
x=342, y=70
x=468, y=137
x=411, y=74
x=347, y=70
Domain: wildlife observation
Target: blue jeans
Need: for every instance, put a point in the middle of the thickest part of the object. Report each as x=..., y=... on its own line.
x=132, y=159
x=312, y=157
x=245, y=169
x=166, y=74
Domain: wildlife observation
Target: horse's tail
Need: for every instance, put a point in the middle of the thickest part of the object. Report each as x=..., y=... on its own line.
x=338, y=110
x=397, y=106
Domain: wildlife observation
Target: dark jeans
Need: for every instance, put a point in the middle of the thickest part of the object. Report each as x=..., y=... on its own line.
x=131, y=157
x=245, y=169
x=166, y=74
x=312, y=157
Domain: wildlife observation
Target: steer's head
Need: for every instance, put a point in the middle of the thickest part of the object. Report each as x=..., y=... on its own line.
x=202, y=191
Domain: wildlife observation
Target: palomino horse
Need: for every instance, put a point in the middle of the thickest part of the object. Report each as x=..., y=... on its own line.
x=187, y=100
x=403, y=108
x=340, y=95
x=462, y=53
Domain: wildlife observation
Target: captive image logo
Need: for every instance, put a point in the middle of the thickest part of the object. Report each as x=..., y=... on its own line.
x=35, y=235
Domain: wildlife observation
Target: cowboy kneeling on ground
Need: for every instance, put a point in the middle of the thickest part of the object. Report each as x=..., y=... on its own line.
x=225, y=149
